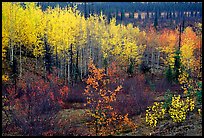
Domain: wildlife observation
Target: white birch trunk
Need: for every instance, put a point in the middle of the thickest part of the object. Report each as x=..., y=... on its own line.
x=12, y=51
x=158, y=60
x=85, y=61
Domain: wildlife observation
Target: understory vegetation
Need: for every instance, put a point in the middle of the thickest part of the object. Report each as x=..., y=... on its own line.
x=66, y=74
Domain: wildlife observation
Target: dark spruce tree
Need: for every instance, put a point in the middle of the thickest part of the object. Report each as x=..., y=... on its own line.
x=156, y=21
x=105, y=63
x=130, y=69
x=85, y=10
x=48, y=58
x=169, y=75
x=177, y=65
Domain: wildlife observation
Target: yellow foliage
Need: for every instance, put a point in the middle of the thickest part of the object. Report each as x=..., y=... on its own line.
x=168, y=44
x=200, y=111
x=99, y=99
x=179, y=108
x=154, y=113
x=5, y=78
x=177, y=111
x=190, y=42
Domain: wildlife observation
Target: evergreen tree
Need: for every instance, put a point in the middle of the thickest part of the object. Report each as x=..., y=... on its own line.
x=169, y=75
x=177, y=65
x=130, y=69
x=48, y=58
x=156, y=20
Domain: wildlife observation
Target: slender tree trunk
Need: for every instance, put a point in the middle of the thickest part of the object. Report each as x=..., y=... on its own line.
x=90, y=47
x=20, y=64
x=85, y=12
x=100, y=53
x=147, y=58
x=152, y=61
x=96, y=125
x=65, y=67
x=77, y=65
x=201, y=54
x=12, y=53
x=85, y=62
x=81, y=63
x=61, y=68
x=44, y=69
x=58, y=67
x=14, y=67
x=68, y=72
x=96, y=54
x=36, y=64
x=106, y=65
x=179, y=38
x=11, y=41
x=92, y=51
x=71, y=64
x=99, y=58
x=158, y=59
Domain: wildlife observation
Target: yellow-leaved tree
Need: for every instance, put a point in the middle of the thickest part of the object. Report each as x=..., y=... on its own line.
x=168, y=40
x=189, y=44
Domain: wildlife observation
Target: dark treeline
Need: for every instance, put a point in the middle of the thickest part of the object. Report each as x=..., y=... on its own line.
x=107, y=7
x=166, y=14
x=129, y=6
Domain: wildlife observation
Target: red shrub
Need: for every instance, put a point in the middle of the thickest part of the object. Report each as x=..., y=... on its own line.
x=76, y=93
x=136, y=96
x=35, y=101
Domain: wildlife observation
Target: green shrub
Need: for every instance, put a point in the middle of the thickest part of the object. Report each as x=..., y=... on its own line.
x=167, y=99
x=169, y=75
x=199, y=93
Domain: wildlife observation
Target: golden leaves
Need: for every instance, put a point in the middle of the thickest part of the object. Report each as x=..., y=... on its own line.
x=5, y=78
x=154, y=113
x=179, y=108
x=99, y=98
x=118, y=88
x=189, y=44
x=200, y=111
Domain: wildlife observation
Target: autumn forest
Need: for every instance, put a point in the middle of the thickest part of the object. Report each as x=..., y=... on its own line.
x=70, y=73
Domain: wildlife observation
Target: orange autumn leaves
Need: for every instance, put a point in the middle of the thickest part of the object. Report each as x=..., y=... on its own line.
x=190, y=42
x=100, y=98
x=97, y=83
x=169, y=42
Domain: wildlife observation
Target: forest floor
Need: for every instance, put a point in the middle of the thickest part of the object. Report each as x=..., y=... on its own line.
x=192, y=126
x=74, y=124
x=73, y=120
